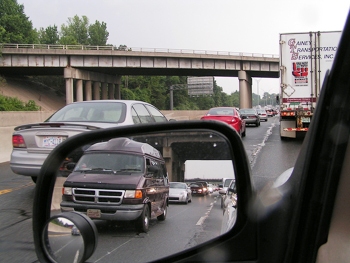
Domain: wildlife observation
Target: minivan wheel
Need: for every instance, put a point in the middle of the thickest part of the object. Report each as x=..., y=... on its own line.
x=142, y=223
x=163, y=216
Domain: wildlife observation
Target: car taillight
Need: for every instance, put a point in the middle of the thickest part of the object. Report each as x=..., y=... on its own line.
x=234, y=119
x=18, y=141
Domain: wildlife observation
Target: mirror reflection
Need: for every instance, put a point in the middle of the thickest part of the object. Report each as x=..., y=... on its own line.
x=150, y=195
x=63, y=240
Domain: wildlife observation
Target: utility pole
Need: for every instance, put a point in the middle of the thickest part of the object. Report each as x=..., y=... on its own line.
x=257, y=82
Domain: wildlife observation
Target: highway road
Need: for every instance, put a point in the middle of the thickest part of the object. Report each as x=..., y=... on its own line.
x=186, y=225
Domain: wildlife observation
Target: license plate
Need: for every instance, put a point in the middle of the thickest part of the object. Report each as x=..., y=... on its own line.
x=52, y=141
x=305, y=119
x=93, y=213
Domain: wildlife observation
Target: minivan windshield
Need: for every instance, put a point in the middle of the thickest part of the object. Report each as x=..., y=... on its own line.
x=116, y=162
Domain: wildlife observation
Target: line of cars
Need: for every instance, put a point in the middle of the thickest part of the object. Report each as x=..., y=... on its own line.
x=238, y=119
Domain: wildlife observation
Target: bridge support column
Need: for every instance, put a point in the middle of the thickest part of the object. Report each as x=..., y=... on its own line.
x=104, y=90
x=110, y=91
x=79, y=89
x=82, y=75
x=88, y=90
x=96, y=95
x=245, y=89
x=117, y=88
x=69, y=90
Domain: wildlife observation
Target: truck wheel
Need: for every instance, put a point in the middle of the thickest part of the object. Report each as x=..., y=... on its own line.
x=142, y=223
x=163, y=216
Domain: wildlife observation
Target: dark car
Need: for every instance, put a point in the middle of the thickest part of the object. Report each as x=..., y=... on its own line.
x=206, y=186
x=229, y=115
x=197, y=189
x=250, y=116
x=119, y=180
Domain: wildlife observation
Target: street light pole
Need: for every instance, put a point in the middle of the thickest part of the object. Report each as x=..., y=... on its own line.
x=257, y=81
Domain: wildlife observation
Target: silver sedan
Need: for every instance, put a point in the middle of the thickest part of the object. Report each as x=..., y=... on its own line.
x=32, y=143
x=179, y=193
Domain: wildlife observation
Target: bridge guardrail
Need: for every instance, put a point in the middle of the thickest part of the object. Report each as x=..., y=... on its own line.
x=135, y=49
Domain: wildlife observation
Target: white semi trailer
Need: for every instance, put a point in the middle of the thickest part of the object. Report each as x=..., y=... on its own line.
x=304, y=60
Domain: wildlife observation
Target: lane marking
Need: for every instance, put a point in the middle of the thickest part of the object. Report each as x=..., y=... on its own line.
x=6, y=191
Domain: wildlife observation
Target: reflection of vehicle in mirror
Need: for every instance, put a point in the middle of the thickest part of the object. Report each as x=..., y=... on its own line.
x=119, y=180
x=33, y=142
x=225, y=184
x=179, y=192
x=230, y=207
x=198, y=189
x=75, y=231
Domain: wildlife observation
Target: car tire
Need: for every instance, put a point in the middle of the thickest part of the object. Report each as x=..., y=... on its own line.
x=162, y=217
x=243, y=133
x=34, y=179
x=142, y=223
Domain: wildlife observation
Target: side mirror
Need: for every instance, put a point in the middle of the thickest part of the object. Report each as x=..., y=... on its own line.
x=70, y=166
x=208, y=141
x=152, y=169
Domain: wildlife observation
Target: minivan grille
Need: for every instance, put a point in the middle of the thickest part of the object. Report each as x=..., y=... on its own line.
x=97, y=196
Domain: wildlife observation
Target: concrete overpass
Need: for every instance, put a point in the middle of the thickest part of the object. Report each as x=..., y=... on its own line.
x=94, y=72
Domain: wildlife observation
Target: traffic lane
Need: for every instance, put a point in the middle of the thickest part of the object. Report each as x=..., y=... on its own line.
x=272, y=155
x=16, y=202
x=186, y=226
x=256, y=137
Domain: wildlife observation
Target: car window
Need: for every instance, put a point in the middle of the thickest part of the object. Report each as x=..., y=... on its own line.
x=135, y=117
x=91, y=112
x=143, y=113
x=157, y=115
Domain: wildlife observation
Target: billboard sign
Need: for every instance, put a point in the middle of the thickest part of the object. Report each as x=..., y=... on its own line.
x=200, y=85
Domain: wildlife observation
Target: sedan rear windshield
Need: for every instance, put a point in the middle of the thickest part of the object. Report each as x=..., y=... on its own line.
x=221, y=111
x=91, y=112
x=248, y=111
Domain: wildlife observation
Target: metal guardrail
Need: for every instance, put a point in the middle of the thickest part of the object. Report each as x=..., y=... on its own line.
x=136, y=49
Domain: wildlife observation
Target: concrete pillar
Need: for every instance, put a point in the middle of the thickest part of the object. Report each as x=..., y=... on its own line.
x=245, y=89
x=79, y=89
x=110, y=91
x=69, y=91
x=88, y=90
x=104, y=89
x=96, y=95
x=117, y=88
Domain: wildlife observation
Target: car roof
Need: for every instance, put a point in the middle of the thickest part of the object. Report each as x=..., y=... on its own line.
x=127, y=102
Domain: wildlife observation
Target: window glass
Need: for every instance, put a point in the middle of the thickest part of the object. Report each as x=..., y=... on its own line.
x=91, y=111
x=135, y=117
x=143, y=113
x=157, y=115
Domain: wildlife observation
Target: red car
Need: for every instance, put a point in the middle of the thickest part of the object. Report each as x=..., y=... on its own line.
x=230, y=115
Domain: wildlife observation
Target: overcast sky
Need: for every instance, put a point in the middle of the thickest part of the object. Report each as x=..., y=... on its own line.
x=250, y=26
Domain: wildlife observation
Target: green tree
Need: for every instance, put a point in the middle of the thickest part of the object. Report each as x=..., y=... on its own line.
x=98, y=34
x=15, y=26
x=76, y=32
x=49, y=35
